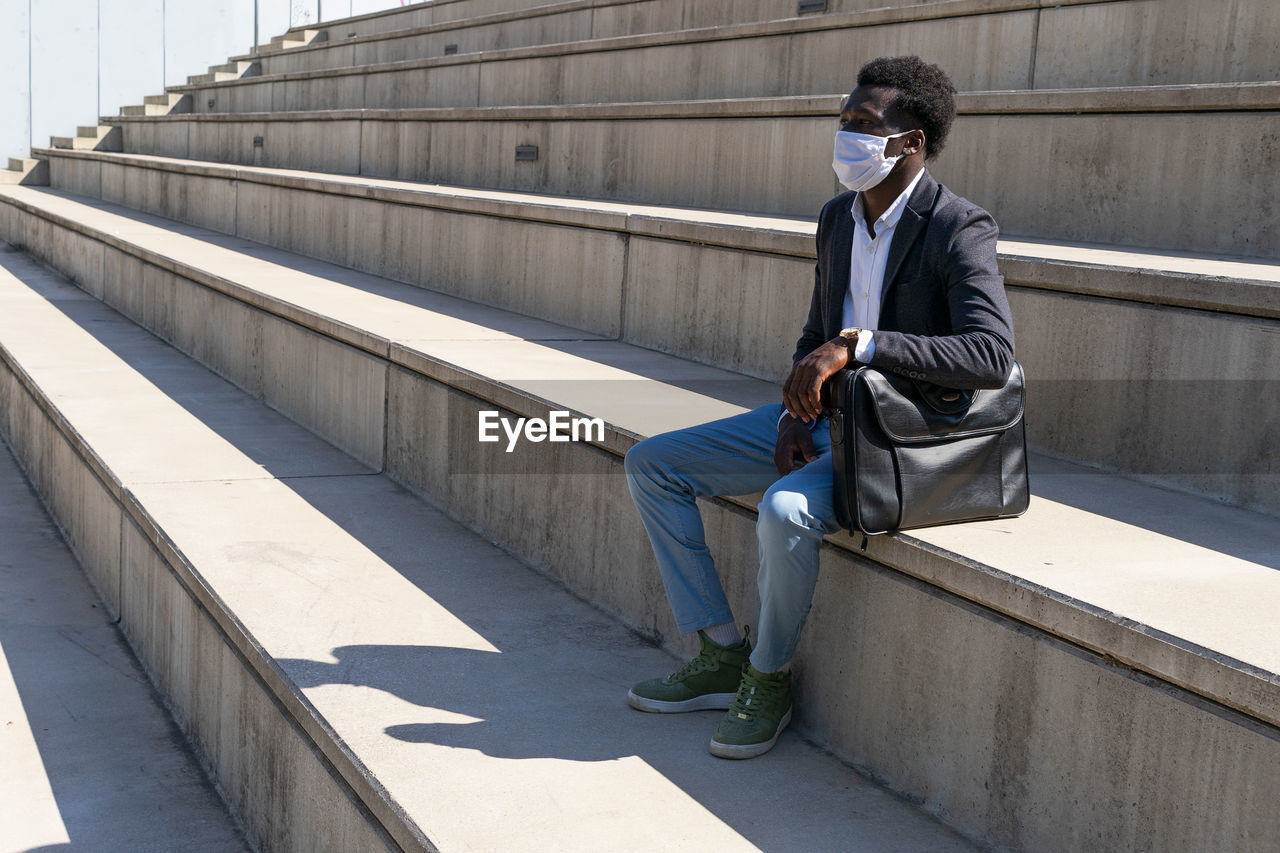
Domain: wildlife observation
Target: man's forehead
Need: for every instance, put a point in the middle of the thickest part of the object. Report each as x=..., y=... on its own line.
x=869, y=99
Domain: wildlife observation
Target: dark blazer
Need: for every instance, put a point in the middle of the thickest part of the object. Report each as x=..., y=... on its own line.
x=944, y=316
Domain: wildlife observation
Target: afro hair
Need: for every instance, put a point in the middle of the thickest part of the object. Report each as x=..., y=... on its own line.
x=924, y=91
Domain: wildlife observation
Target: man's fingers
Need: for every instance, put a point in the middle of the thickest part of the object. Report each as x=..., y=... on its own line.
x=784, y=455
x=806, y=447
x=793, y=397
x=787, y=399
x=813, y=398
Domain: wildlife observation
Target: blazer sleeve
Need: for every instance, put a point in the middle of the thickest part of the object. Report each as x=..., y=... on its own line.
x=978, y=352
x=814, y=333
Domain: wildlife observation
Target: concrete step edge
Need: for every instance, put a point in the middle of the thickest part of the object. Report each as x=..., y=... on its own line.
x=1245, y=287
x=1233, y=683
x=404, y=11
x=941, y=9
x=910, y=13
x=26, y=171
x=461, y=23
x=988, y=103
x=1159, y=98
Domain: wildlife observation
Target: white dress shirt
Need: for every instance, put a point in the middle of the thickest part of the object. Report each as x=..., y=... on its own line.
x=866, y=273
x=866, y=269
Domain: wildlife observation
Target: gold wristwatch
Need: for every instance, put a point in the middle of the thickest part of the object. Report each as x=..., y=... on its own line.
x=850, y=336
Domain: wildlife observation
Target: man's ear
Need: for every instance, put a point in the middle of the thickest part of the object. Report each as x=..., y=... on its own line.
x=913, y=143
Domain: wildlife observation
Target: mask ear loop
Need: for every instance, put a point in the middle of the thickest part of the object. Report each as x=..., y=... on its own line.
x=903, y=133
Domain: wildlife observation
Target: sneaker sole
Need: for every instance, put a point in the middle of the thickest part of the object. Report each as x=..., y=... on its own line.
x=749, y=750
x=705, y=702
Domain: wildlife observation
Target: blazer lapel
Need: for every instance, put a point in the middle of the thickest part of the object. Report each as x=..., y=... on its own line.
x=914, y=218
x=838, y=280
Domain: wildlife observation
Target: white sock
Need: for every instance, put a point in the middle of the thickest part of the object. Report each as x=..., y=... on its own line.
x=726, y=634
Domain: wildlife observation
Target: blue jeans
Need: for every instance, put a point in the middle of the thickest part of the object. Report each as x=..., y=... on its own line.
x=734, y=456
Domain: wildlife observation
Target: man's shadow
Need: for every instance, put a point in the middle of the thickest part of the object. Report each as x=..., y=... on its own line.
x=523, y=709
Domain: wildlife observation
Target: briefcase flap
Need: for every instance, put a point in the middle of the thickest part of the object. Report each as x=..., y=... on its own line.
x=910, y=414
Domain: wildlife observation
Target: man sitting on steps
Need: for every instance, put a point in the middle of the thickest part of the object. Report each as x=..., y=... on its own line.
x=906, y=281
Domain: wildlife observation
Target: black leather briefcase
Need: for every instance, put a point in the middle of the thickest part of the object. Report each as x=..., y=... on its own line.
x=911, y=454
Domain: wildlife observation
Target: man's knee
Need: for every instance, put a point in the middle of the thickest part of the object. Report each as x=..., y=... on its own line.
x=783, y=513
x=780, y=511
x=645, y=458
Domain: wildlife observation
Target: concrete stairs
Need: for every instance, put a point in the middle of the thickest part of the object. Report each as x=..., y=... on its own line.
x=91, y=138
x=1009, y=151
x=395, y=375
x=649, y=275
x=235, y=70
x=31, y=171
x=577, y=26
x=296, y=38
x=381, y=269
x=92, y=759
x=361, y=672
x=159, y=105
x=1021, y=47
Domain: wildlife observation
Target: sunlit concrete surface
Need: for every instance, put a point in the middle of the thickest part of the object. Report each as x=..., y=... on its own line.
x=89, y=760
x=424, y=682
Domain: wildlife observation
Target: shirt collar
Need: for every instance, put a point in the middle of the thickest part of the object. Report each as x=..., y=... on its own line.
x=888, y=219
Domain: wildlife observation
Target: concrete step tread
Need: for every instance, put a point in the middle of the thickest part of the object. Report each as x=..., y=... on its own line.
x=929, y=11
x=1178, y=586
x=383, y=618
x=1158, y=98
x=864, y=18
x=89, y=753
x=531, y=7
x=906, y=13
x=1216, y=283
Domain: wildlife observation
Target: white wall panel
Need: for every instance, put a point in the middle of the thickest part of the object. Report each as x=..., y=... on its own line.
x=198, y=35
x=64, y=67
x=132, y=55
x=15, y=101
x=89, y=58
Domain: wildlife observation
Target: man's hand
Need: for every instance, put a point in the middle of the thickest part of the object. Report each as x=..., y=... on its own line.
x=795, y=446
x=801, y=393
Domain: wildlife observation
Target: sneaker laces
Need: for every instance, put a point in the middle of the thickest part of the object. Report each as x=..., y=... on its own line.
x=754, y=694
x=698, y=664
x=705, y=659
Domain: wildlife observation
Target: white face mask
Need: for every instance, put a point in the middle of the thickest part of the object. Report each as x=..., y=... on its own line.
x=859, y=159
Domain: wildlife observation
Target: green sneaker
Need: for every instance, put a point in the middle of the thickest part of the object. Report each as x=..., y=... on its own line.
x=760, y=711
x=708, y=682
